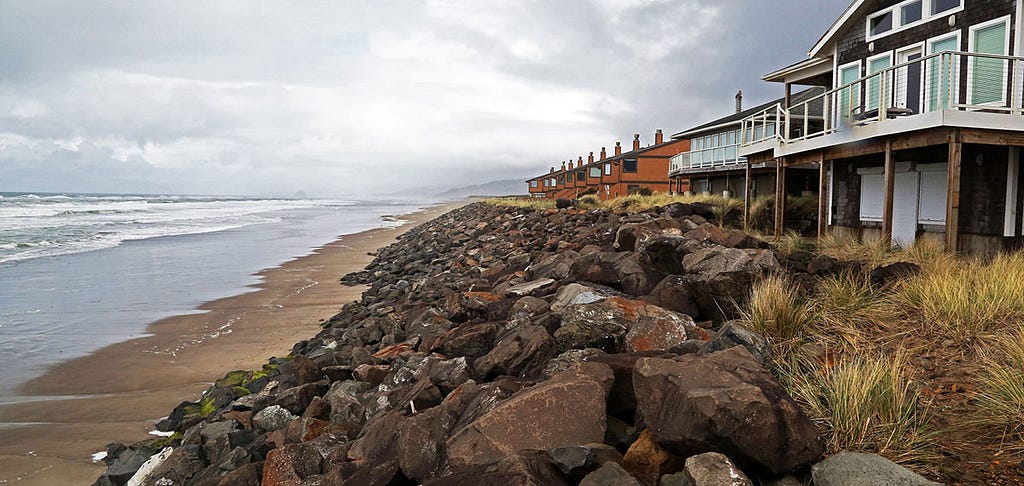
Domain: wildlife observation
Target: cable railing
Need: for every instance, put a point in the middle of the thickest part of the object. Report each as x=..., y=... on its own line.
x=707, y=158
x=943, y=81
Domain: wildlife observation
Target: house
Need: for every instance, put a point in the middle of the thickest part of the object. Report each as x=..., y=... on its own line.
x=615, y=176
x=713, y=165
x=923, y=125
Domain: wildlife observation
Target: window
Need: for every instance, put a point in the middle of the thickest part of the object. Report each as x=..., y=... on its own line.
x=561, y=179
x=906, y=14
x=910, y=13
x=849, y=97
x=581, y=175
x=534, y=184
x=608, y=169
x=941, y=81
x=595, y=172
x=568, y=177
x=871, y=196
x=880, y=23
x=875, y=87
x=987, y=76
x=629, y=165
x=939, y=6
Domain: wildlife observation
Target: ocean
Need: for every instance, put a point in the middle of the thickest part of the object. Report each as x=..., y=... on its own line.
x=81, y=271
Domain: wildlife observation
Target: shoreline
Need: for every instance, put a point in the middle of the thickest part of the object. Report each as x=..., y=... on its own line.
x=120, y=390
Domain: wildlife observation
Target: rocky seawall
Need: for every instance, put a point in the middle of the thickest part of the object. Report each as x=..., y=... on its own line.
x=519, y=346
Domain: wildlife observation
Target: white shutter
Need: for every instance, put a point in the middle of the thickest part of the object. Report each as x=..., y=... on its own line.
x=933, y=198
x=871, y=197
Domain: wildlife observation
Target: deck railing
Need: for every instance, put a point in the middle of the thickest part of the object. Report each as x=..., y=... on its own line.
x=942, y=81
x=706, y=158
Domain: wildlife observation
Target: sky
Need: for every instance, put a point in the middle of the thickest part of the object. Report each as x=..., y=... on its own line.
x=367, y=97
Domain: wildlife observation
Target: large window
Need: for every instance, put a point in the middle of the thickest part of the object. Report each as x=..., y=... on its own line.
x=581, y=175
x=561, y=179
x=907, y=14
x=717, y=149
x=607, y=169
x=534, y=184
x=987, y=76
x=940, y=83
x=629, y=165
x=595, y=172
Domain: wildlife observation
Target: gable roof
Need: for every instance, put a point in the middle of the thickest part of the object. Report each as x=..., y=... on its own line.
x=836, y=27
x=736, y=118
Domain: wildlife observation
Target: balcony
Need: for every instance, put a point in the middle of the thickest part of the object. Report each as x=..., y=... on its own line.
x=721, y=157
x=943, y=89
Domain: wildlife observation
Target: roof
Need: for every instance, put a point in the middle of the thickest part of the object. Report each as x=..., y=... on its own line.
x=736, y=118
x=836, y=27
x=809, y=67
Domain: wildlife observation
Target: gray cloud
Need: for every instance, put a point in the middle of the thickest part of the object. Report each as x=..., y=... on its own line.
x=353, y=98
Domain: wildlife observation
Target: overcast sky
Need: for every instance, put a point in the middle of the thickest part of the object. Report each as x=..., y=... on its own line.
x=366, y=97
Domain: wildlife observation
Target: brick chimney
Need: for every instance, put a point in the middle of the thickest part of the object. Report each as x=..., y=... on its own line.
x=570, y=165
x=580, y=162
x=659, y=138
x=552, y=170
x=636, y=141
x=590, y=159
x=563, y=166
x=603, y=154
x=618, y=148
x=739, y=101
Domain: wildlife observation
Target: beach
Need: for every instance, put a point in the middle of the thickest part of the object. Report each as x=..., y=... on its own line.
x=117, y=393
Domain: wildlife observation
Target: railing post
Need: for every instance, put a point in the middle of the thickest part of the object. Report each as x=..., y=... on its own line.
x=807, y=118
x=778, y=122
x=883, y=95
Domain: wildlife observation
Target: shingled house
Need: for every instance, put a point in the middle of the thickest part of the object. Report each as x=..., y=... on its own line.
x=923, y=125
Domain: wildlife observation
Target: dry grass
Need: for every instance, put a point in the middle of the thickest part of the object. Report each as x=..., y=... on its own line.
x=1001, y=391
x=968, y=300
x=865, y=403
x=790, y=243
x=777, y=312
x=849, y=308
x=521, y=202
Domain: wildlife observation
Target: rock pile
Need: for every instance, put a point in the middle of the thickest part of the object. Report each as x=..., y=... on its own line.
x=511, y=346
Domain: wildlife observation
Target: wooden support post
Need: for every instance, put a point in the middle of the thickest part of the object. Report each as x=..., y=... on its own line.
x=780, y=196
x=748, y=184
x=822, y=197
x=887, y=194
x=953, y=192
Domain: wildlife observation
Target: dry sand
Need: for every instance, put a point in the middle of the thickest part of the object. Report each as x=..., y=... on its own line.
x=121, y=390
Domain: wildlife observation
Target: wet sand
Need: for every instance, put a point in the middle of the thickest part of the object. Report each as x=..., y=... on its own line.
x=117, y=393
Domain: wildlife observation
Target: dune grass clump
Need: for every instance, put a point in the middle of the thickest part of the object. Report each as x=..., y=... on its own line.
x=970, y=299
x=521, y=202
x=865, y=403
x=1000, y=396
x=848, y=307
x=777, y=312
x=791, y=242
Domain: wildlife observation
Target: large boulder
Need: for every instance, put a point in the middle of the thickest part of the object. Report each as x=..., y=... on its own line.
x=733, y=333
x=724, y=402
x=648, y=461
x=576, y=294
x=714, y=469
x=523, y=352
x=630, y=235
x=610, y=474
x=729, y=238
x=674, y=293
x=862, y=469
x=721, y=278
x=556, y=266
x=618, y=324
x=629, y=272
x=568, y=409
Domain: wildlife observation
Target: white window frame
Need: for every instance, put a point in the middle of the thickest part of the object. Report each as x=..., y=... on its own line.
x=608, y=168
x=534, y=184
x=927, y=52
x=897, y=18
x=836, y=82
x=867, y=66
x=902, y=73
x=972, y=30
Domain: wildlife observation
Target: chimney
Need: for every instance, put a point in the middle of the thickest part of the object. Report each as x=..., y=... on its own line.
x=658, y=137
x=618, y=148
x=636, y=141
x=580, y=162
x=552, y=170
x=603, y=155
x=563, y=166
x=570, y=165
x=590, y=160
x=739, y=101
